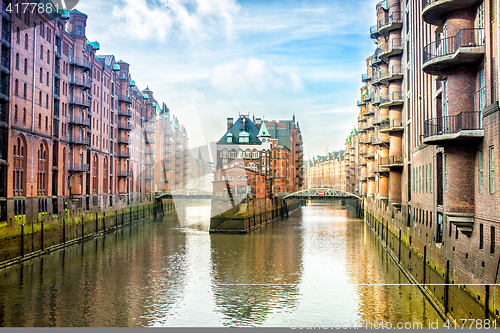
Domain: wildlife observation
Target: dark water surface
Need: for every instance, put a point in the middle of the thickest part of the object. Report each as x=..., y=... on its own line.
x=318, y=266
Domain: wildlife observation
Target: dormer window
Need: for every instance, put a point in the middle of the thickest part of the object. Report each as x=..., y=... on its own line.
x=229, y=137
x=244, y=137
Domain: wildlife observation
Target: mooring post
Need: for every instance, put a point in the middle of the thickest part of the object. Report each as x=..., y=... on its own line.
x=446, y=287
x=41, y=229
x=96, y=223
x=399, y=251
x=425, y=264
x=487, y=301
x=64, y=231
x=22, y=240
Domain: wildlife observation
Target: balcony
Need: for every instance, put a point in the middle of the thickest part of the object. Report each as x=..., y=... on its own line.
x=466, y=47
x=390, y=74
x=394, y=125
x=123, y=174
x=150, y=129
x=382, y=140
x=126, y=113
x=78, y=167
x=375, y=61
x=379, y=169
x=6, y=38
x=390, y=22
x=368, y=97
x=149, y=162
x=125, y=126
x=5, y=66
x=83, y=63
x=77, y=120
x=361, y=103
x=374, y=32
x=79, y=140
x=149, y=151
x=365, y=78
x=122, y=140
x=461, y=127
x=376, y=100
x=124, y=154
x=79, y=101
x=125, y=99
x=392, y=161
x=392, y=99
x=380, y=120
x=392, y=48
x=434, y=11
x=80, y=81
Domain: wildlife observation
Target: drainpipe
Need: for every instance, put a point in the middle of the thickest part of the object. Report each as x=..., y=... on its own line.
x=33, y=105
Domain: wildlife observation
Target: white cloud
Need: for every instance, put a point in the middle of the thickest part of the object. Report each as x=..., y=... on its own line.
x=253, y=76
x=194, y=19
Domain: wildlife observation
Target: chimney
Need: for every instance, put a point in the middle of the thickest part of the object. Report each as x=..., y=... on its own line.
x=229, y=123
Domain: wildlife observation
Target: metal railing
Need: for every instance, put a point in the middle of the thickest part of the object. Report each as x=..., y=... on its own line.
x=391, y=160
x=84, y=121
x=394, y=43
x=80, y=140
x=126, y=113
x=81, y=167
x=388, y=72
x=82, y=101
x=450, y=45
x=125, y=99
x=124, y=154
x=395, y=17
x=80, y=62
x=124, y=126
x=395, y=96
x=80, y=81
x=453, y=124
x=120, y=173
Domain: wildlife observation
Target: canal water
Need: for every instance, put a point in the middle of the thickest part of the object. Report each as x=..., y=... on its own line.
x=320, y=266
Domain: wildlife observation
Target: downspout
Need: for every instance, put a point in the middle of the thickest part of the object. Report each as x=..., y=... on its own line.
x=33, y=106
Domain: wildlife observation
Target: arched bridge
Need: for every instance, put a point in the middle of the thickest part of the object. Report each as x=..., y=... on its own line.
x=322, y=193
x=185, y=194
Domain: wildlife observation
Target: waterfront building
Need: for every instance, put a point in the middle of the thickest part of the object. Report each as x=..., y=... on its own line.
x=327, y=171
x=76, y=132
x=256, y=157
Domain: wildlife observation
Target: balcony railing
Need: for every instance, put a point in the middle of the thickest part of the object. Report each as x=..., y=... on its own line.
x=125, y=126
x=123, y=140
x=80, y=81
x=387, y=74
x=78, y=167
x=123, y=174
x=395, y=124
x=394, y=98
x=464, y=121
x=390, y=22
x=77, y=120
x=126, y=113
x=393, y=47
x=80, y=63
x=125, y=99
x=361, y=103
x=79, y=140
x=124, y=154
x=375, y=61
x=448, y=49
x=391, y=161
x=374, y=32
x=365, y=77
x=80, y=101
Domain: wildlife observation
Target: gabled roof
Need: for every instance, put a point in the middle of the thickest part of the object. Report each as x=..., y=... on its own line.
x=264, y=132
x=237, y=128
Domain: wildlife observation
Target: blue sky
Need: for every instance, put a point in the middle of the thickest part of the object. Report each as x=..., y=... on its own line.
x=209, y=60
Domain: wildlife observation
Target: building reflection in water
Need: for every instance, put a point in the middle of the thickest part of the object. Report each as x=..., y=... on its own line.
x=121, y=279
x=256, y=275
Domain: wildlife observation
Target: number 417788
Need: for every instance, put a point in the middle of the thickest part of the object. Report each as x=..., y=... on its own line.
x=471, y=323
x=31, y=7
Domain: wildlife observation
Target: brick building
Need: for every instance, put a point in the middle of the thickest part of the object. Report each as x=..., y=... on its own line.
x=428, y=133
x=327, y=171
x=256, y=158
x=76, y=132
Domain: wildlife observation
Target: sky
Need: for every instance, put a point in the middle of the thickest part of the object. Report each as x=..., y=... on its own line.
x=208, y=60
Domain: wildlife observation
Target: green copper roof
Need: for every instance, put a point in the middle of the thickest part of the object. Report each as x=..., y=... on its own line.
x=132, y=83
x=95, y=45
x=145, y=96
x=263, y=130
x=116, y=67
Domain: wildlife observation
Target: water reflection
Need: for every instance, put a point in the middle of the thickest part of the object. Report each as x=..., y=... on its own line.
x=316, y=265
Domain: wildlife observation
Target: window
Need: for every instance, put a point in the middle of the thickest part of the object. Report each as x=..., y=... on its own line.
x=48, y=57
x=16, y=87
x=26, y=41
x=19, y=167
x=481, y=236
x=24, y=115
x=426, y=179
x=492, y=171
x=41, y=52
x=39, y=120
x=233, y=154
x=18, y=35
x=430, y=177
x=17, y=60
x=40, y=98
x=480, y=171
x=47, y=101
x=42, y=170
x=445, y=173
x=15, y=112
x=48, y=79
x=41, y=74
x=25, y=66
x=46, y=123
x=492, y=240
x=25, y=91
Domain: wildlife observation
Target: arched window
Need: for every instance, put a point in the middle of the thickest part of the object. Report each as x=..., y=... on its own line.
x=47, y=101
x=225, y=153
x=17, y=60
x=41, y=74
x=25, y=91
x=18, y=35
x=15, y=112
x=19, y=172
x=42, y=169
x=46, y=123
x=48, y=57
x=24, y=115
x=105, y=176
x=25, y=66
x=233, y=153
x=26, y=41
x=95, y=171
x=41, y=52
x=40, y=98
x=247, y=154
x=39, y=120
x=16, y=87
